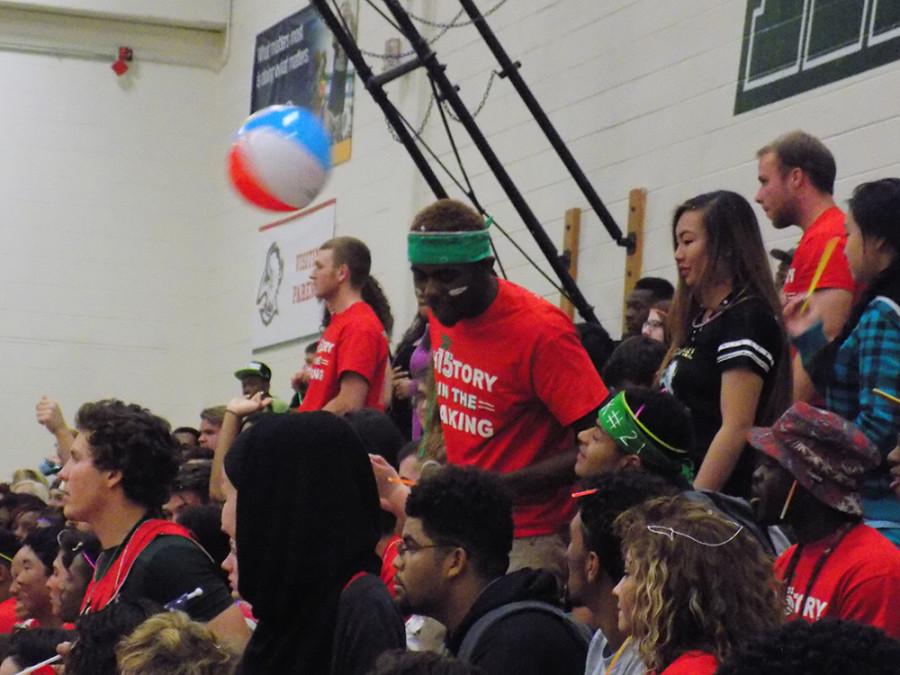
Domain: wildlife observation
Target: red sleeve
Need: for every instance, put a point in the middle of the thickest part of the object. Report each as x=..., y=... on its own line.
x=874, y=601
x=837, y=271
x=565, y=379
x=359, y=351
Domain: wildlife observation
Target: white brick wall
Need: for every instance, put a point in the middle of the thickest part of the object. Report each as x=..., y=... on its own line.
x=127, y=261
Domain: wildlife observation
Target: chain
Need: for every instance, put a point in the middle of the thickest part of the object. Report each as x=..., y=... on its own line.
x=484, y=98
x=453, y=24
x=421, y=126
x=431, y=102
x=434, y=24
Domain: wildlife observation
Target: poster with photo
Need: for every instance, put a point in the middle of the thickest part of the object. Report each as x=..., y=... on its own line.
x=298, y=62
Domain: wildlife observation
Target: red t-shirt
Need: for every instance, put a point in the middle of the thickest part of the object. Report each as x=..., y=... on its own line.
x=353, y=342
x=693, y=663
x=8, y=618
x=388, y=571
x=510, y=382
x=860, y=581
x=812, y=244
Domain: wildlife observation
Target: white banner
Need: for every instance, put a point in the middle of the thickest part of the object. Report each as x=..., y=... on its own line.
x=286, y=306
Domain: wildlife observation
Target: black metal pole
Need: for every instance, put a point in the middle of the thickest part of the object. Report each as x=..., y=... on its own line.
x=448, y=91
x=375, y=88
x=511, y=70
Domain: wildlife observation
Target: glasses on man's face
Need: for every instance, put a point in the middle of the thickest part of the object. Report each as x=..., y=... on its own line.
x=654, y=324
x=410, y=546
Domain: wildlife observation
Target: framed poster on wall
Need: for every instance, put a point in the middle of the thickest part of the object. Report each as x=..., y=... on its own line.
x=298, y=62
x=286, y=305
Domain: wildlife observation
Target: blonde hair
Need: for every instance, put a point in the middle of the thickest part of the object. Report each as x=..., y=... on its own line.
x=701, y=582
x=172, y=644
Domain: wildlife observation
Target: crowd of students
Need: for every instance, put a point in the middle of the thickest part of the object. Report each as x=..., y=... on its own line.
x=714, y=492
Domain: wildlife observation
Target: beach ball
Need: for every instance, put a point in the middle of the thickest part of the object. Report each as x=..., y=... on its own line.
x=280, y=158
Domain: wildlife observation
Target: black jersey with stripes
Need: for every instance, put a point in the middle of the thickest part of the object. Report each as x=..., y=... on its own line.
x=743, y=335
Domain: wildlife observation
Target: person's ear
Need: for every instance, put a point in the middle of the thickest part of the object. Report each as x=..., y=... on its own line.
x=113, y=478
x=456, y=563
x=592, y=567
x=629, y=461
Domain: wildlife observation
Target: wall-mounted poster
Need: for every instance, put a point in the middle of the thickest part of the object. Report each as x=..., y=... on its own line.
x=792, y=46
x=297, y=61
x=286, y=305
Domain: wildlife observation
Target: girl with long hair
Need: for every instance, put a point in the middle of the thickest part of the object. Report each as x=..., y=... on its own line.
x=696, y=586
x=865, y=357
x=728, y=358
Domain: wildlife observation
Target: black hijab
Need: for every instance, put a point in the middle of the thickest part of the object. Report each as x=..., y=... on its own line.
x=307, y=521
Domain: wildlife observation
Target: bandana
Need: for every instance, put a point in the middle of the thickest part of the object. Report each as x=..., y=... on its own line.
x=448, y=248
x=634, y=438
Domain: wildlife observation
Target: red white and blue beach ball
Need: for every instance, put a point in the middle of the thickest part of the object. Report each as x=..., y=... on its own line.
x=280, y=158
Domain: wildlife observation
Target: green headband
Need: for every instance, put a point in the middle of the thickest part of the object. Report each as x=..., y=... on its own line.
x=630, y=434
x=448, y=248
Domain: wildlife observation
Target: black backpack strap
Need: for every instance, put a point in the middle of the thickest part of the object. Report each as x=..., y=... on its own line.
x=579, y=631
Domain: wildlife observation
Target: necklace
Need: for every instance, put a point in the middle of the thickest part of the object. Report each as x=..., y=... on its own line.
x=731, y=299
x=820, y=563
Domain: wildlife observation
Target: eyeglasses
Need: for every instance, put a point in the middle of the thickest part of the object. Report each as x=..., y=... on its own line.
x=412, y=547
x=654, y=323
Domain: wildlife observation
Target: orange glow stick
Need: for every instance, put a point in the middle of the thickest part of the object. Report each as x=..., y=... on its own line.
x=584, y=493
x=823, y=261
x=402, y=481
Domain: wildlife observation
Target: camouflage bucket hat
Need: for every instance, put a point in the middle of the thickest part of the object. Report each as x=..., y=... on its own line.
x=825, y=453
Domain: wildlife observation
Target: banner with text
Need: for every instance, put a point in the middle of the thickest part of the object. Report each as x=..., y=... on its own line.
x=286, y=305
x=297, y=61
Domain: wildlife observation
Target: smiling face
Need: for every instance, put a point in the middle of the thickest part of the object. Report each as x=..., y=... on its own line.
x=691, y=248
x=29, y=585
x=598, y=453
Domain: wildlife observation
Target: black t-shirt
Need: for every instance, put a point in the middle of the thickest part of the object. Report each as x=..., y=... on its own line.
x=744, y=335
x=368, y=624
x=168, y=568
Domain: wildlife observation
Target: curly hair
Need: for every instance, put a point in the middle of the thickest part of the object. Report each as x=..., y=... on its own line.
x=173, y=644
x=132, y=440
x=447, y=215
x=826, y=647
x=615, y=494
x=93, y=651
x=701, y=583
x=470, y=508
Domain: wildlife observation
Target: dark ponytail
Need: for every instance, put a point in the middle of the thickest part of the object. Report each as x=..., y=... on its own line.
x=373, y=296
x=876, y=209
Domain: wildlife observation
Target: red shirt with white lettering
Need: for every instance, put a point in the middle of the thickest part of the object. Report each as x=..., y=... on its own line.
x=353, y=342
x=828, y=225
x=510, y=382
x=860, y=580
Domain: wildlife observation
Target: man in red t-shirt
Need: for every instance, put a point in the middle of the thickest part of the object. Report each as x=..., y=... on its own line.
x=796, y=184
x=348, y=372
x=809, y=475
x=512, y=379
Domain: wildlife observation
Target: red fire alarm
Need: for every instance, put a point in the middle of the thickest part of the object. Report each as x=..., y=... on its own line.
x=120, y=65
